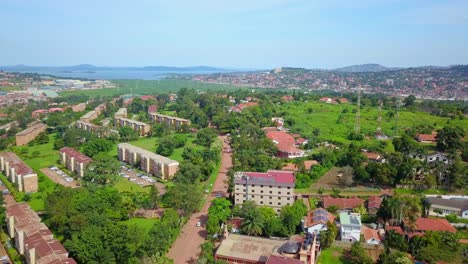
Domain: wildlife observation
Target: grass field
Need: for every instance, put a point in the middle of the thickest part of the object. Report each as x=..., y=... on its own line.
x=331, y=256
x=308, y=116
x=149, y=87
x=144, y=223
x=123, y=185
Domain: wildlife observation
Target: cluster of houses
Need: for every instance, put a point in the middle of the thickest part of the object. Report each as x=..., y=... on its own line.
x=41, y=113
x=329, y=100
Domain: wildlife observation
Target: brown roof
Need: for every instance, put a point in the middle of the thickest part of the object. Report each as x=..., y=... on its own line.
x=370, y=233
x=372, y=155
x=80, y=157
x=427, y=137
x=31, y=128
x=342, y=203
x=374, y=202
x=314, y=217
x=15, y=162
x=429, y=224
x=274, y=259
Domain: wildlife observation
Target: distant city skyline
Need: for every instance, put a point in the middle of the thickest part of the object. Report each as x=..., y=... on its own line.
x=260, y=34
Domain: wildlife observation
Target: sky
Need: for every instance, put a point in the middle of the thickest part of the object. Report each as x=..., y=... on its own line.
x=259, y=34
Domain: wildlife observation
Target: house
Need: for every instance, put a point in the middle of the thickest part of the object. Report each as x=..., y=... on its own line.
x=428, y=224
x=146, y=97
x=32, y=238
x=30, y=133
x=79, y=107
x=371, y=236
x=279, y=122
x=316, y=220
x=148, y=161
x=274, y=259
x=437, y=157
x=373, y=204
x=171, y=121
x=286, y=144
x=293, y=167
x=74, y=160
x=350, y=226
x=122, y=112
x=327, y=100
x=441, y=206
x=273, y=188
x=92, y=128
x=342, y=100
x=89, y=116
x=343, y=204
x=426, y=138
x=20, y=174
x=373, y=156
x=39, y=113
x=301, y=141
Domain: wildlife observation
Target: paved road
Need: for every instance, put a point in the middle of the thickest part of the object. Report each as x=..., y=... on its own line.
x=187, y=246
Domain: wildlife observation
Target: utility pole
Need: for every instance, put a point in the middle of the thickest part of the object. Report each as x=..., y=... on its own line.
x=357, y=126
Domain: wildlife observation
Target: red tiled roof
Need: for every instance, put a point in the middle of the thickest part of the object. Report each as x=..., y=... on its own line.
x=396, y=229
x=17, y=163
x=370, y=233
x=342, y=203
x=427, y=137
x=146, y=97
x=152, y=108
x=372, y=155
x=287, y=98
x=274, y=259
x=429, y=224
x=285, y=141
x=56, y=109
x=80, y=157
x=277, y=175
x=374, y=202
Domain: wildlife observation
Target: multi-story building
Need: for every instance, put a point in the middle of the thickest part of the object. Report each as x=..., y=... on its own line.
x=90, y=116
x=30, y=133
x=74, y=160
x=444, y=207
x=32, y=238
x=273, y=188
x=92, y=128
x=122, y=112
x=350, y=226
x=18, y=172
x=140, y=127
x=148, y=161
x=171, y=121
x=78, y=107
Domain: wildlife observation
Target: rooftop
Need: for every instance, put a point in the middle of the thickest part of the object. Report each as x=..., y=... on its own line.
x=429, y=224
x=133, y=121
x=374, y=202
x=80, y=157
x=31, y=129
x=15, y=162
x=342, y=203
x=370, y=233
x=248, y=248
x=350, y=219
x=148, y=154
x=318, y=216
x=275, y=177
x=454, y=203
x=167, y=116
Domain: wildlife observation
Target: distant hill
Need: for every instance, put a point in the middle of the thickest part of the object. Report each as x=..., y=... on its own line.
x=371, y=67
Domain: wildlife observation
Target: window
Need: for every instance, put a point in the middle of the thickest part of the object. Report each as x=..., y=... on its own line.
x=253, y=190
x=289, y=188
x=271, y=197
x=244, y=195
x=289, y=193
x=261, y=196
x=253, y=196
x=261, y=191
x=261, y=202
x=270, y=186
x=271, y=192
x=261, y=186
x=270, y=203
x=253, y=185
x=279, y=187
x=279, y=192
x=289, y=198
x=279, y=203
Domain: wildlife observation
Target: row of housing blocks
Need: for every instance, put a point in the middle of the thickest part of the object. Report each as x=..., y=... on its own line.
x=18, y=172
x=30, y=133
x=148, y=161
x=32, y=238
x=171, y=121
x=74, y=160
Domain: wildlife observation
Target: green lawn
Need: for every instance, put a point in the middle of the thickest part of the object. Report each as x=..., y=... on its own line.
x=306, y=117
x=145, y=223
x=124, y=185
x=331, y=256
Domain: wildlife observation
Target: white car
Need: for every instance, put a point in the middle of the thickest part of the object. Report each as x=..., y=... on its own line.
x=198, y=224
x=132, y=180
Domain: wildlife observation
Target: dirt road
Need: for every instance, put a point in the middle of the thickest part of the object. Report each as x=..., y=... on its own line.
x=187, y=246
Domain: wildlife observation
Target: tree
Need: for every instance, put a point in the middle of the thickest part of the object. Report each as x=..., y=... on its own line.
x=253, y=223
x=206, y=137
x=153, y=197
x=185, y=197
x=2, y=212
x=395, y=257
x=357, y=255
x=327, y=237
x=405, y=144
x=102, y=170
x=220, y=208
x=409, y=101
x=97, y=145
x=291, y=215
x=166, y=146
x=127, y=134
x=450, y=139
x=360, y=210
x=42, y=138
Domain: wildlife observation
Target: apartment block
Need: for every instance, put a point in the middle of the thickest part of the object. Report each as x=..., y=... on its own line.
x=78, y=107
x=18, y=172
x=148, y=161
x=273, y=188
x=92, y=128
x=74, y=160
x=122, y=112
x=32, y=238
x=89, y=116
x=140, y=127
x=30, y=133
x=171, y=121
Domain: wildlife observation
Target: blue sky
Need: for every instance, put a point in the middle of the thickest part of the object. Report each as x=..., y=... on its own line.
x=234, y=33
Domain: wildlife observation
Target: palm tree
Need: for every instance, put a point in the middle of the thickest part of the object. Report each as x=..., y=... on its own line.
x=253, y=223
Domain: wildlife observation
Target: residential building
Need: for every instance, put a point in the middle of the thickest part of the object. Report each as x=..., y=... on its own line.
x=371, y=236
x=429, y=224
x=79, y=107
x=273, y=188
x=30, y=133
x=174, y=122
x=141, y=128
x=427, y=138
x=373, y=156
x=92, y=128
x=437, y=157
x=32, y=238
x=373, y=204
x=18, y=172
x=441, y=206
x=287, y=98
x=148, y=161
x=90, y=116
x=286, y=144
x=317, y=220
x=74, y=160
x=122, y=112
x=274, y=259
x=350, y=226
x=343, y=204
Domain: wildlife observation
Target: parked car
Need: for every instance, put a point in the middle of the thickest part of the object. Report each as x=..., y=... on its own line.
x=198, y=224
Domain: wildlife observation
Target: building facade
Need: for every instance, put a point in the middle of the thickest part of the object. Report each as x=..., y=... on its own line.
x=141, y=128
x=32, y=238
x=350, y=226
x=90, y=116
x=18, y=172
x=92, y=128
x=30, y=133
x=149, y=162
x=174, y=122
x=444, y=207
x=273, y=188
x=74, y=160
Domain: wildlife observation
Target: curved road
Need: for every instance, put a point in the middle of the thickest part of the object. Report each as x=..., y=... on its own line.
x=187, y=246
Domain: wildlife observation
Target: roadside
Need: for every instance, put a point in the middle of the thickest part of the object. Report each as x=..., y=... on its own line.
x=187, y=246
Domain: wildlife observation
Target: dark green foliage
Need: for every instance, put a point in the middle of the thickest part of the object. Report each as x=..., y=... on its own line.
x=450, y=139
x=291, y=216
x=185, y=197
x=42, y=138
x=328, y=236
x=435, y=246
x=102, y=170
x=358, y=255
x=97, y=145
x=166, y=146
x=206, y=137
x=127, y=134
